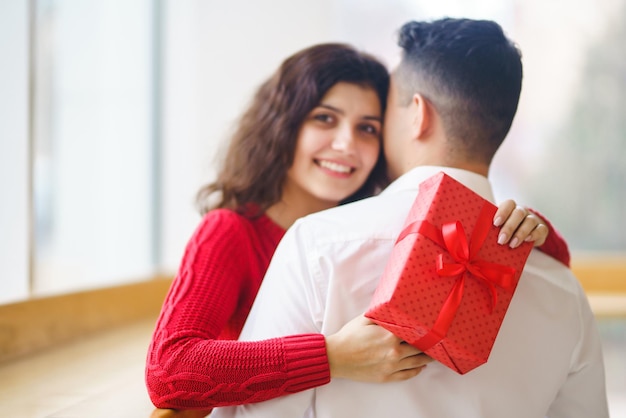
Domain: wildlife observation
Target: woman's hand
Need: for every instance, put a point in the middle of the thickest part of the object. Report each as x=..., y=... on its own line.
x=366, y=352
x=519, y=225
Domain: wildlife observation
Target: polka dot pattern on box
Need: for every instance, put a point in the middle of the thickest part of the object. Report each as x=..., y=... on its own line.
x=411, y=293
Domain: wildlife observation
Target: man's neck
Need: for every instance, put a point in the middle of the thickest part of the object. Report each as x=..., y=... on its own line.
x=480, y=169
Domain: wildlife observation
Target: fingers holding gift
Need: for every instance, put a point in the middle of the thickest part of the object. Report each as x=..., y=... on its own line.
x=366, y=352
x=410, y=366
x=403, y=361
x=519, y=225
x=538, y=234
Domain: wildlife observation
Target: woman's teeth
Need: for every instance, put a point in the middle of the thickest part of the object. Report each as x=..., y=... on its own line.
x=340, y=168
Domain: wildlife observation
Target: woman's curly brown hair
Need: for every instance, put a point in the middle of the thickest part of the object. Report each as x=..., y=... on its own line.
x=262, y=147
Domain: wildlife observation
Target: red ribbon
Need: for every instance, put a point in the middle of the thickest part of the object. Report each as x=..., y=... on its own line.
x=452, y=238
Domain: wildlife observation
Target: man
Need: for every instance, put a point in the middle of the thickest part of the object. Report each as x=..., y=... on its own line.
x=451, y=103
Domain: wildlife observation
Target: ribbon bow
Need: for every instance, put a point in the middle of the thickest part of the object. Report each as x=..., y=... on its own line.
x=452, y=238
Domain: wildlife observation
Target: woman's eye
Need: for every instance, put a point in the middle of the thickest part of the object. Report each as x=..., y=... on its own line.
x=370, y=129
x=323, y=117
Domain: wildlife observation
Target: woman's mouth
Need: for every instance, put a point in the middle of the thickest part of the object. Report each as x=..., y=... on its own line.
x=335, y=167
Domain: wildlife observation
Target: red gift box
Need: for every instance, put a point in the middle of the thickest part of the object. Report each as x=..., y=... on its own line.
x=448, y=283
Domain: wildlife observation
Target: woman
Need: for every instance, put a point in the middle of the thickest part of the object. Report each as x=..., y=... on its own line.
x=310, y=140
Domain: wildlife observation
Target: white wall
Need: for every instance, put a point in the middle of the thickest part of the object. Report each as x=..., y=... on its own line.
x=14, y=212
x=215, y=54
x=92, y=144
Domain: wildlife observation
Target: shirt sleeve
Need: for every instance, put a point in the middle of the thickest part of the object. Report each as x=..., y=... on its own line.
x=188, y=368
x=555, y=245
x=583, y=393
x=285, y=304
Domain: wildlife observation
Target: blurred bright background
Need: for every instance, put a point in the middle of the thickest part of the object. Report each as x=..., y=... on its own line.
x=119, y=107
x=112, y=112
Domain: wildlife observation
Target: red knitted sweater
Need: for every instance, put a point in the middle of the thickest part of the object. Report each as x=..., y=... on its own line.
x=193, y=362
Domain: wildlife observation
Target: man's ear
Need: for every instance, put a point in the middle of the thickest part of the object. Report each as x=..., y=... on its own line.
x=423, y=116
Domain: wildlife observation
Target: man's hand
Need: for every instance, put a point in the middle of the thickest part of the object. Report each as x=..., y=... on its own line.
x=366, y=352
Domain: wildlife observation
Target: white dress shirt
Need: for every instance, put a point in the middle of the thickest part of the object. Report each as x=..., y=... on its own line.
x=546, y=360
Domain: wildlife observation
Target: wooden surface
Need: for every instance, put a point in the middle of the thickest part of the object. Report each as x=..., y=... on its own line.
x=601, y=273
x=96, y=377
x=31, y=326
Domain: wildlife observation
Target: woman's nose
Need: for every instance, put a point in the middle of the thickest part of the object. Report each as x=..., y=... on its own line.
x=344, y=140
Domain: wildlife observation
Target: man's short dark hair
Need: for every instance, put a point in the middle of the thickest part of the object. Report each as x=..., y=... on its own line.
x=472, y=75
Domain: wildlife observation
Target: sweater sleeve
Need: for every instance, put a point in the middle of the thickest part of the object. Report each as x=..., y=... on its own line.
x=555, y=245
x=188, y=367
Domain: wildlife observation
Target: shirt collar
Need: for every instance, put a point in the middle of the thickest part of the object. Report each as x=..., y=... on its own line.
x=411, y=180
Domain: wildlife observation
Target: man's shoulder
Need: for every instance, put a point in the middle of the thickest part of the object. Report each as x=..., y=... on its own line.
x=363, y=218
x=554, y=276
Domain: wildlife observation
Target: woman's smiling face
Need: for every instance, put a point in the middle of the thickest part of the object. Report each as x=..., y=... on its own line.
x=338, y=145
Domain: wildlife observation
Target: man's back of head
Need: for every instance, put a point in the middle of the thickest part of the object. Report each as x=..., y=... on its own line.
x=470, y=73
